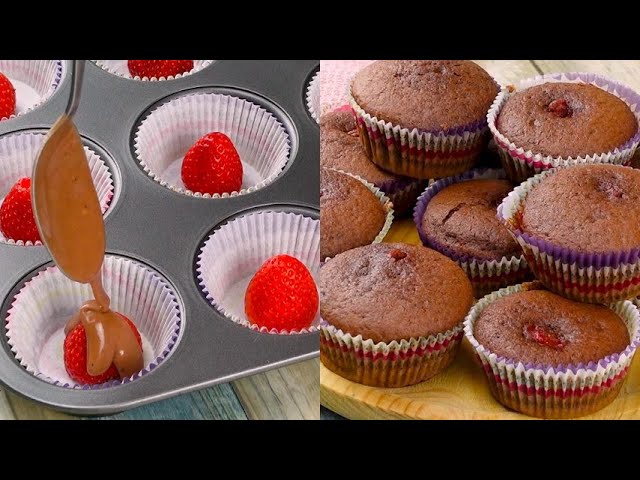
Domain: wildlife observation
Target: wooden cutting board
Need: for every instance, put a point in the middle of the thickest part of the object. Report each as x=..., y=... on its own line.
x=460, y=392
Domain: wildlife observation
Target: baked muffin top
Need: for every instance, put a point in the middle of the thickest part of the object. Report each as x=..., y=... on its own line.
x=350, y=214
x=462, y=217
x=588, y=208
x=566, y=120
x=430, y=95
x=393, y=291
x=540, y=327
x=340, y=148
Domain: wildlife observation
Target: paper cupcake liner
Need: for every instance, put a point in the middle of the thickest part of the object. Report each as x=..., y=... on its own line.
x=168, y=132
x=18, y=153
x=555, y=391
x=419, y=153
x=313, y=97
x=403, y=195
x=35, y=322
x=384, y=201
x=583, y=276
x=248, y=242
x=35, y=81
x=394, y=364
x=485, y=275
x=120, y=68
x=520, y=164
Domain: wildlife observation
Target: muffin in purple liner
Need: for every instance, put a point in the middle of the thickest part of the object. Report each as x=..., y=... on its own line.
x=457, y=217
x=550, y=357
x=564, y=119
x=423, y=118
x=574, y=225
x=340, y=148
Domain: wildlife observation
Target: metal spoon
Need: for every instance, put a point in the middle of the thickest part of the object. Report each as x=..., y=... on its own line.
x=65, y=202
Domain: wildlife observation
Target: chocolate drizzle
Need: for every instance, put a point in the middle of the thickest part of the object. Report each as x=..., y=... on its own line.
x=72, y=227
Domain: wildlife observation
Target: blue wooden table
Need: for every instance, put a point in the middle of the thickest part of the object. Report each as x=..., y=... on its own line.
x=287, y=393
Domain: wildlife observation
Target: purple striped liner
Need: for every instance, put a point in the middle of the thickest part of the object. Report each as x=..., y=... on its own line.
x=570, y=265
x=402, y=149
x=540, y=378
x=521, y=164
x=476, y=269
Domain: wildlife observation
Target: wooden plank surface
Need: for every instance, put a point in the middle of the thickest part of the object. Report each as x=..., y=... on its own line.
x=461, y=391
x=288, y=393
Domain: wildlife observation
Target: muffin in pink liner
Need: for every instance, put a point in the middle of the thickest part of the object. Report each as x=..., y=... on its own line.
x=487, y=270
x=35, y=81
x=248, y=242
x=402, y=135
x=580, y=267
x=35, y=322
x=168, y=132
x=313, y=97
x=340, y=148
x=391, y=313
x=18, y=153
x=554, y=390
x=120, y=68
x=520, y=164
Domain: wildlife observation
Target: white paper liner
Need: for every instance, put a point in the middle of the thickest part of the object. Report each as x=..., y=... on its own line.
x=233, y=254
x=534, y=383
x=168, y=132
x=35, y=81
x=384, y=201
x=18, y=153
x=521, y=164
x=39, y=312
x=313, y=97
x=120, y=68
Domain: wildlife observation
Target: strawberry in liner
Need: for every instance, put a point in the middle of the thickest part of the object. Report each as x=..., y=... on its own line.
x=16, y=214
x=7, y=98
x=159, y=68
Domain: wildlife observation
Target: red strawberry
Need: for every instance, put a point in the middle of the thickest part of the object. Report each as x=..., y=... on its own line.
x=7, y=98
x=16, y=214
x=158, y=68
x=543, y=336
x=212, y=165
x=75, y=357
x=282, y=295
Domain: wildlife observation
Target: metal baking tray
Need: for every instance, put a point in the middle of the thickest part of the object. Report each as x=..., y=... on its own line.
x=212, y=349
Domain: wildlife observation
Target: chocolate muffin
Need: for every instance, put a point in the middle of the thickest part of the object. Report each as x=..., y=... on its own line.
x=541, y=328
x=566, y=120
x=350, y=213
x=431, y=95
x=406, y=297
x=586, y=208
x=340, y=148
x=461, y=218
x=550, y=357
x=423, y=118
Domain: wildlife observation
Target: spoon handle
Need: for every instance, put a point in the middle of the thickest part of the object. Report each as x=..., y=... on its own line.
x=77, y=73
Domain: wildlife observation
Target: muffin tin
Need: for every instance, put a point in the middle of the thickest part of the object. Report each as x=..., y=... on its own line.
x=165, y=230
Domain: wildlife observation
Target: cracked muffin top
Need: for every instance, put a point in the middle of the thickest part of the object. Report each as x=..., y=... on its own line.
x=566, y=120
x=340, y=148
x=429, y=95
x=540, y=327
x=393, y=291
x=350, y=214
x=462, y=217
x=588, y=208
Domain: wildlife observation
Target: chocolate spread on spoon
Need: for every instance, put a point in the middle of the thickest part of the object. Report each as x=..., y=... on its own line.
x=69, y=218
